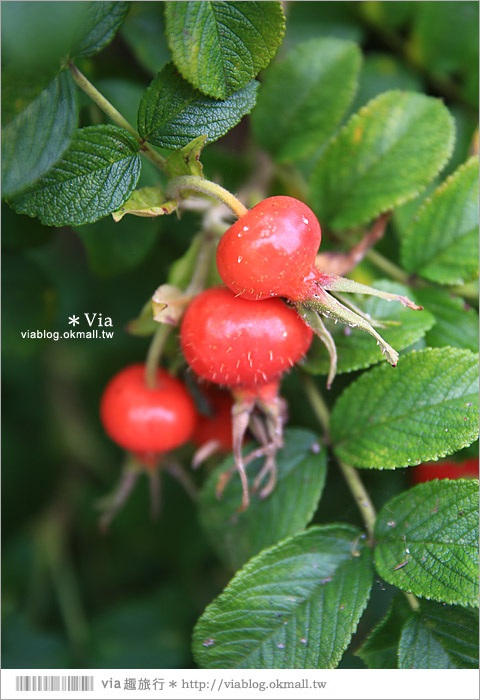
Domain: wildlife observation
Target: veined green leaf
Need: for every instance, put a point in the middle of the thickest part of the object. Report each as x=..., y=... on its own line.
x=424, y=409
x=94, y=178
x=295, y=605
x=172, y=113
x=101, y=23
x=220, y=46
x=304, y=96
x=236, y=537
x=441, y=244
x=439, y=636
x=356, y=349
x=36, y=137
x=427, y=541
x=455, y=324
x=385, y=155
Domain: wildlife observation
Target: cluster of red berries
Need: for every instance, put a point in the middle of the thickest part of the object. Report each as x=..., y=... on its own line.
x=239, y=336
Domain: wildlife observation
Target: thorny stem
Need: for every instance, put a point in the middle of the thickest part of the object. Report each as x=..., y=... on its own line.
x=113, y=113
x=351, y=475
x=193, y=183
x=154, y=353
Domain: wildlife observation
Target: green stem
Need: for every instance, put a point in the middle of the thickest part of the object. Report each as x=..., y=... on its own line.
x=113, y=113
x=317, y=403
x=351, y=475
x=467, y=291
x=154, y=353
x=388, y=267
x=193, y=183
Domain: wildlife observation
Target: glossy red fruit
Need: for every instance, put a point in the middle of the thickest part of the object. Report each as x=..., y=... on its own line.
x=217, y=424
x=445, y=470
x=146, y=420
x=271, y=251
x=236, y=342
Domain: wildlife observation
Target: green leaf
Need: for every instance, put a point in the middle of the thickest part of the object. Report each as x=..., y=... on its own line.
x=427, y=541
x=101, y=23
x=455, y=323
x=172, y=113
x=304, y=97
x=146, y=202
x=425, y=408
x=114, y=248
x=220, y=46
x=380, y=648
x=295, y=605
x=94, y=178
x=441, y=244
x=36, y=137
x=126, y=96
x=439, y=637
x=384, y=156
x=301, y=477
x=357, y=350
x=186, y=161
x=144, y=33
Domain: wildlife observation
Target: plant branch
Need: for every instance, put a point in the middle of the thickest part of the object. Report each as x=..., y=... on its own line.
x=351, y=475
x=193, y=183
x=113, y=113
x=154, y=353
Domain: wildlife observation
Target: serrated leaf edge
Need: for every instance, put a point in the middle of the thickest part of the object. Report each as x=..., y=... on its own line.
x=399, y=200
x=409, y=233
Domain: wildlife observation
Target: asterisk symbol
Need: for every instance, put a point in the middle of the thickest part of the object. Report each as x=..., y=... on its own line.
x=73, y=320
x=173, y=684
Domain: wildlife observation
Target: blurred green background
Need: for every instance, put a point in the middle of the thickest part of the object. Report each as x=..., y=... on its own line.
x=71, y=596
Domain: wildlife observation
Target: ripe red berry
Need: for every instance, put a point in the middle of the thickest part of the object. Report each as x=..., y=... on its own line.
x=271, y=251
x=445, y=470
x=145, y=420
x=236, y=342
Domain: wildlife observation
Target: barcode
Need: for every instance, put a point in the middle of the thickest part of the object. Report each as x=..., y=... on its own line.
x=52, y=683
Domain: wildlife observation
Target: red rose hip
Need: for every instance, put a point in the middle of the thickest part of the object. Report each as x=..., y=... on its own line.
x=147, y=420
x=237, y=342
x=271, y=251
